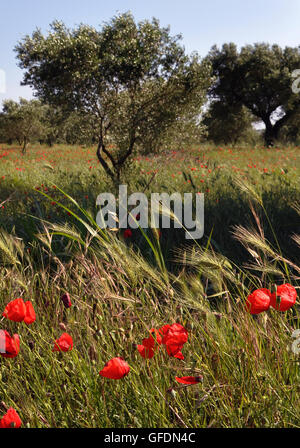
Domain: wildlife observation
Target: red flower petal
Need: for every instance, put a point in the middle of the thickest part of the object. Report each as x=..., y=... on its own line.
x=287, y=295
x=145, y=352
x=174, y=338
x=10, y=420
x=189, y=379
x=9, y=346
x=15, y=310
x=258, y=301
x=63, y=344
x=30, y=313
x=115, y=369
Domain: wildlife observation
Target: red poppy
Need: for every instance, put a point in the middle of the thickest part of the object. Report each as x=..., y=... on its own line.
x=287, y=296
x=66, y=300
x=30, y=313
x=64, y=343
x=189, y=379
x=174, y=338
x=150, y=344
x=15, y=310
x=127, y=233
x=9, y=346
x=115, y=369
x=10, y=420
x=258, y=301
x=146, y=352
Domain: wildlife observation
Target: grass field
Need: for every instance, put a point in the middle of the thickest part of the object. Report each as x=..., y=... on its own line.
x=122, y=288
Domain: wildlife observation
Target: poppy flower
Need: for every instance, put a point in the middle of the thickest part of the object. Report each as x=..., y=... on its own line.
x=287, y=295
x=127, y=233
x=66, y=300
x=9, y=346
x=258, y=301
x=10, y=419
x=64, y=343
x=145, y=352
x=150, y=344
x=30, y=313
x=189, y=380
x=115, y=369
x=15, y=310
x=174, y=338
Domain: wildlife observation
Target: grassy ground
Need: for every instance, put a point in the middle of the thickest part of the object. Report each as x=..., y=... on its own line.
x=120, y=289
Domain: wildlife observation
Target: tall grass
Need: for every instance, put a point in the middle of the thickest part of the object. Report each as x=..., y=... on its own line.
x=119, y=292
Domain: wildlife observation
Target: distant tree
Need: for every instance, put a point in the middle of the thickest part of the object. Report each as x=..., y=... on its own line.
x=134, y=78
x=23, y=121
x=53, y=121
x=229, y=124
x=258, y=77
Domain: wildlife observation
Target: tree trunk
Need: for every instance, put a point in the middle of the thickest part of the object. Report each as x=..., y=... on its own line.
x=25, y=142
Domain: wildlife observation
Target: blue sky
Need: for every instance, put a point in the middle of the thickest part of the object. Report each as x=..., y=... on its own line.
x=202, y=23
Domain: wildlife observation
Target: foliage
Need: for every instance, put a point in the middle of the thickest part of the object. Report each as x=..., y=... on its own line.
x=259, y=77
x=23, y=121
x=229, y=125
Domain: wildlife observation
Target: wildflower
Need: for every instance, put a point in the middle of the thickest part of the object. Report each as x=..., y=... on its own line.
x=18, y=311
x=174, y=338
x=64, y=343
x=10, y=419
x=287, y=295
x=10, y=346
x=66, y=300
x=189, y=380
x=258, y=301
x=115, y=369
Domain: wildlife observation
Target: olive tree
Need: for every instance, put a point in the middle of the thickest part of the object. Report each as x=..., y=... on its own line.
x=23, y=121
x=135, y=78
x=259, y=77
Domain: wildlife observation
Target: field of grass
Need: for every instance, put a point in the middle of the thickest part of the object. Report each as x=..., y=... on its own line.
x=122, y=288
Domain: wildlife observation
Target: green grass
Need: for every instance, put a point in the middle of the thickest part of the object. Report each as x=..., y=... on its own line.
x=121, y=289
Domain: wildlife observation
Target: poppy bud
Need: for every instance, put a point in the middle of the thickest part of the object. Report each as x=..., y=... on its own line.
x=66, y=300
x=127, y=233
